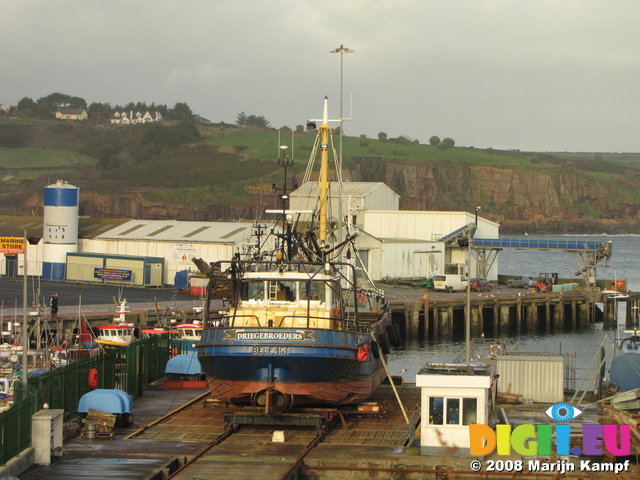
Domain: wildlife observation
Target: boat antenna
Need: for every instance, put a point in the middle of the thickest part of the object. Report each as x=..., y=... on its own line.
x=285, y=160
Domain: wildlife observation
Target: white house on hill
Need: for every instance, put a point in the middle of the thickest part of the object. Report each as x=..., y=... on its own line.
x=71, y=114
x=132, y=118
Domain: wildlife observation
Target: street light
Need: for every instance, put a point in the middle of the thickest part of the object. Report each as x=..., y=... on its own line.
x=478, y=208
x=467, y=319
x=341, y=50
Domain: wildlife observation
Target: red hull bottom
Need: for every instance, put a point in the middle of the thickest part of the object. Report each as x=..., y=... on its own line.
x=348, y=391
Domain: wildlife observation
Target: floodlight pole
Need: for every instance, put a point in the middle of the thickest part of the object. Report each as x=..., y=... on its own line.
x=341, y=50
x=25, y=335
x=467, y=319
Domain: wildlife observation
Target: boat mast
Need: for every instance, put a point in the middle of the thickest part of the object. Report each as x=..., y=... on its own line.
x=323, y=181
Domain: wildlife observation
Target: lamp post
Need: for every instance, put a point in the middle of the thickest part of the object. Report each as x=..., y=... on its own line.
x=341, y=50
x=467, y=317
x=25, y=333
x=478, y=208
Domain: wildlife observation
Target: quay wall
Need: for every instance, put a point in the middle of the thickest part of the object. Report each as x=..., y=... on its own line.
x=503, y=315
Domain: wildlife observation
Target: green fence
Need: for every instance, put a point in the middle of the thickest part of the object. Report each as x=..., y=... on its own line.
x=127, y=369
x=15, y=428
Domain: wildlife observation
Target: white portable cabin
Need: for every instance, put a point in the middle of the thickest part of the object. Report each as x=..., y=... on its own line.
x=453, y=396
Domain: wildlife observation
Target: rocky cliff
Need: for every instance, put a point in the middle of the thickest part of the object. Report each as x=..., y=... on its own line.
x=564, y=200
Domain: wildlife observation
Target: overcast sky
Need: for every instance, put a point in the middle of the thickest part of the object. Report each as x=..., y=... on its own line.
x=545, y=75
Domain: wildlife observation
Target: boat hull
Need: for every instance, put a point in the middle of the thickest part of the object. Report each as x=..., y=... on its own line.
x=303, y=366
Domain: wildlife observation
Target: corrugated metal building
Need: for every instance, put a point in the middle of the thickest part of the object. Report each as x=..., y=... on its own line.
x=428, y=228
x=356, y=197
x=177, y=242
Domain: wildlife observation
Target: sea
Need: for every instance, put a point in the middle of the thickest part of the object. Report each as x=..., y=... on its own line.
x=624, y=265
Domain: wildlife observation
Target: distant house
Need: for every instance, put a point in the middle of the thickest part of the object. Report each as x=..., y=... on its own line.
x=71, y=114
x=131, y=117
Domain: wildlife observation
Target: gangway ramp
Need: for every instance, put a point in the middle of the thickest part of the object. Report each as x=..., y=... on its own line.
x=569, y=245
x=587, y=253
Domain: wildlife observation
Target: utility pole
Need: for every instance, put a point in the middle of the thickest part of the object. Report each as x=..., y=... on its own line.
x=341, y=50
x=25, y=334
x=467, y=317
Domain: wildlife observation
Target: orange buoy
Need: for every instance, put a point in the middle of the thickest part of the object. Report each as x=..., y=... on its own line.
x=93, y=379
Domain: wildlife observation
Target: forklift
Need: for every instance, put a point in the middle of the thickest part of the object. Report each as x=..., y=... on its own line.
x=545, y=282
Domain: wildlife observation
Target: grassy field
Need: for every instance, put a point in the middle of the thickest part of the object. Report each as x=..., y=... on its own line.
x=231, y=165
x=34, y=157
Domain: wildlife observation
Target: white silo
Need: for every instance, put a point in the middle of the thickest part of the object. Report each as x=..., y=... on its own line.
x=60, y=228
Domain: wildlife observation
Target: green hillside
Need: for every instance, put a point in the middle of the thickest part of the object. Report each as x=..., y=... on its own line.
x=217, y=164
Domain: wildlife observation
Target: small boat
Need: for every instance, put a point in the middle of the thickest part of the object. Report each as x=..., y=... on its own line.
x=302, y=328
x=188, y=335
x=118, y=334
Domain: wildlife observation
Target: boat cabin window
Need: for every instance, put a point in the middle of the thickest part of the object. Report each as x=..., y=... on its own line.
x=286, y=291
x=312, y=291
x=252, y=291
x=189, y=332
x=283, y=291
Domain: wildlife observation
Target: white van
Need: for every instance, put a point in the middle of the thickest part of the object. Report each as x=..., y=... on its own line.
x=450, y=282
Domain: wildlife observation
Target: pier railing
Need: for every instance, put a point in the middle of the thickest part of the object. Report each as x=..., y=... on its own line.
x=128, y=369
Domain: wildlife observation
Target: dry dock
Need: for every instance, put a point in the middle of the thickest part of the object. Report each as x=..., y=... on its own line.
x=184, y=435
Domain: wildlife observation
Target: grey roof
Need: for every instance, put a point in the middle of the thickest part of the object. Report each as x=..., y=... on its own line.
x=88, y=227
x=180, y=231
x=354, y=189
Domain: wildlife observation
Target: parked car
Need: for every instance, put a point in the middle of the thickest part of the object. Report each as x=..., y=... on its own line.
x=449, y=282
x=522, y=282
x=480, y=285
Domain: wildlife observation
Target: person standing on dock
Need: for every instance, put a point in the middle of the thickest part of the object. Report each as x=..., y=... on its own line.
x=53, y=302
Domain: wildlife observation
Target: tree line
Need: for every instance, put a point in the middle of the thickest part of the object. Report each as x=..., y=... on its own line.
x=98, y=112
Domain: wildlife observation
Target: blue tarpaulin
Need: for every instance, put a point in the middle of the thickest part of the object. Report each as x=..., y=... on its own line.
x=106, y=400
x=180, y=280
x=184, y=365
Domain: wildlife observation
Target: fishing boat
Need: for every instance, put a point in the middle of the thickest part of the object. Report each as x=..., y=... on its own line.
x=118, y=334
x=300, y=329
x=188, y=335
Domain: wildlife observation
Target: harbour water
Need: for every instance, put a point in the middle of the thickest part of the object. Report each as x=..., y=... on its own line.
x=623, y=265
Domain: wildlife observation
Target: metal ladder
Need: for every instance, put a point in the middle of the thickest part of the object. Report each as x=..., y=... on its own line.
x=273, y=291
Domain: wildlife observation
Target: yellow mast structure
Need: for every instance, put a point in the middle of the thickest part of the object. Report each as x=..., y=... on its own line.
x=323, y=181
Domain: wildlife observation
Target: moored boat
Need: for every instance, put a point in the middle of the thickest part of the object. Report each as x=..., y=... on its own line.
x=301, y=330
x=118, y=334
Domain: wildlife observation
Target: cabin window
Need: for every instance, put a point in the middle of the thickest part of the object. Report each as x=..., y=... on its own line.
x=435, y=410
x=469, y=411
x=252, y=291
x=453, y=411
x=312, y=291
x=286, y=292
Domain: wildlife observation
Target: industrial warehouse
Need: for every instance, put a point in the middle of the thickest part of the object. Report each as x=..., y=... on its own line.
x=394, y=244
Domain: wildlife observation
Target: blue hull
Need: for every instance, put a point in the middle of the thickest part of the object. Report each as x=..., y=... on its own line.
x=304, y=366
